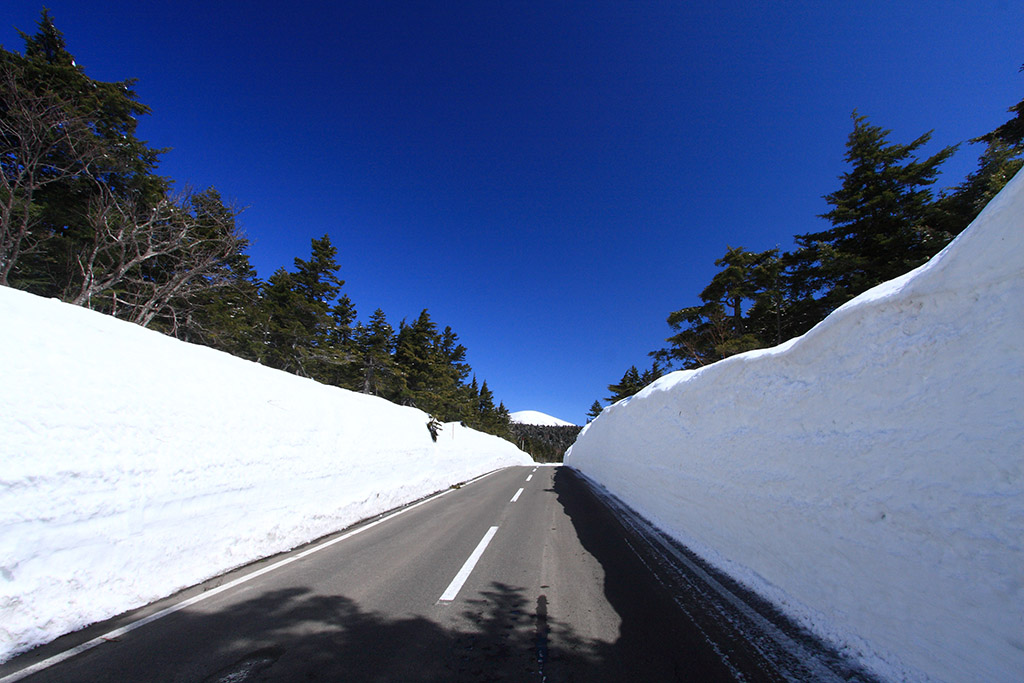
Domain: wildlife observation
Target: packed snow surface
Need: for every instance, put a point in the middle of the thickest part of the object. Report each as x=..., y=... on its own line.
x=867, y=477
x=133, y=465
x=535, y=417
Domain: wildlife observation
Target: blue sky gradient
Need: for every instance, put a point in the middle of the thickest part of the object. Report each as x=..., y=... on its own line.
x=551, y=179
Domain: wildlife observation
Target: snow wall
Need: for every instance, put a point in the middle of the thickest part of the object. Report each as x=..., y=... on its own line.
x=867, y=477
x=133, y=465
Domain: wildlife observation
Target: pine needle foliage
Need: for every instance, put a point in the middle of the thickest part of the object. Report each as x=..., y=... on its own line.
x=84, y=216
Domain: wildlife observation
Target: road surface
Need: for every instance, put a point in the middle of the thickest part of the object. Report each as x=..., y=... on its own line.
x=522, y=575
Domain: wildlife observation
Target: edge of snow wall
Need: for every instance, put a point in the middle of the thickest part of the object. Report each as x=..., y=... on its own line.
x=133, y=465
x=868, y=477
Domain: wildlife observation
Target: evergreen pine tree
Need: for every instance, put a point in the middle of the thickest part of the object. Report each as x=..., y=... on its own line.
x=285, y=335
x=770, y=317
x=374, y=344
x=1000, y=161
x=229, y=318
x=224, y=313
x=743, y=281
x=632, y=382
x=741, y=309
x=879, y=222
x=432, y=366
x=502, y=423
x=485, y=408
x=700, y=333
x=627, y=386
x=316, y=280
x=83, y=214
x=302, y=334
x=485, y=400
x=955, y=210
x=1011, y=133
x=415, y=360
x=101, y=155
x=451, y=370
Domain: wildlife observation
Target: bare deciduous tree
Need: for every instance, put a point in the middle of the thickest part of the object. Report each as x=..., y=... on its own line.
x=144, y=262
x=41, y=142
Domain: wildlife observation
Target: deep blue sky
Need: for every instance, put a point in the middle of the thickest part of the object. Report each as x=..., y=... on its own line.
x=549, y=178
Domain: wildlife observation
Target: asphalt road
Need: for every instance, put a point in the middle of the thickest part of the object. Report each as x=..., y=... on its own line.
x=566, y=589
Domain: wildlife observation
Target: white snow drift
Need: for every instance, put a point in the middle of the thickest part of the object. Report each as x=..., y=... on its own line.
x=869, y=476
x=133, y=465
x=535, y=417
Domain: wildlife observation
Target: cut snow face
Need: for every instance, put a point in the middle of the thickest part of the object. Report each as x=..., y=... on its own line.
x=867, y=477
x=135, y=465
x=535, y=417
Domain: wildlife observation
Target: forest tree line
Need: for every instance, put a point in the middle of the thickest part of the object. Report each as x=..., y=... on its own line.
x=545, y=443
x=884, y=221
x=86, y=218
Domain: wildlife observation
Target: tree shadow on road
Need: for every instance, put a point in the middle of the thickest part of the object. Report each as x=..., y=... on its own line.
x=294, y=635
x=504, y=633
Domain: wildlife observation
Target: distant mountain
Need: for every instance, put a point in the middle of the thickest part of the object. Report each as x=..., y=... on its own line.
x=535, y=417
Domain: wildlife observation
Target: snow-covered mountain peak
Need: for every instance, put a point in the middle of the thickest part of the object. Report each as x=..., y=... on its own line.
x=535, y=417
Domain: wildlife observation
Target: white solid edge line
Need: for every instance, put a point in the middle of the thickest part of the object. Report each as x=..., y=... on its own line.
x=456, y=585
x=127, y=628
x=516, y=497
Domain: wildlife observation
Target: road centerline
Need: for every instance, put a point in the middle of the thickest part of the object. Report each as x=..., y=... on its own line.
x=456, y=585
x=516, y=497
x=212, y=592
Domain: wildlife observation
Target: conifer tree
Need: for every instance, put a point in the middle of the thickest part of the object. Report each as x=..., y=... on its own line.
x=432, y=366
x=1011, y=133
x=627, y=386
x=415, y=360
x=742, y=309
x=228, y=318
x=484, y=407
x=745, y=279
x=700, y=333
x=632, y=382
x=502, y=422
x=302, y=334
x=113, y=108
x=316, y=280
x=1000, y=161
x=955, y=210
x=83, y=214
x=485, y=401
x=90, y=154
x=769, y=318
x=880, y=226
x=450, y=373
x=374, y=345
x=285, y=335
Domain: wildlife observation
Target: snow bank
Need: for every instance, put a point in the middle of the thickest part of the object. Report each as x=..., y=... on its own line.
x=535, y=417
x=867, y=477
x=133, y=465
